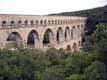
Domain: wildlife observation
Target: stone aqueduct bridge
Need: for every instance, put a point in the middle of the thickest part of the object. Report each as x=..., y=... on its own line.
x=32, y=31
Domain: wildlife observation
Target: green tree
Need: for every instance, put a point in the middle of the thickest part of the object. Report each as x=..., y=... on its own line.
x=74, y=77
x=96, y=71
x=97, y=42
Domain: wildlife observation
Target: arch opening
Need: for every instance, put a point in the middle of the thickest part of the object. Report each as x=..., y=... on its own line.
x=19, y=23
x=67, y=34
x=48, y=38
x=4, y=23
x=33, y=39
x=14, y=40
x=74, y=32
x=68, y=48
x=59, y=35
x=75, y=47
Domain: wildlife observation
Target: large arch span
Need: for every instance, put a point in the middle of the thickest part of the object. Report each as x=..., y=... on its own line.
x=33, y=39
x=14, y=40
x=21, y=31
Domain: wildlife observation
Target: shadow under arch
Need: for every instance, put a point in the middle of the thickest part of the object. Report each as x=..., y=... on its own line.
x=67, y=33
x=79, y=43
x=59, y=35
x=48, y=38
x=75, y=47
x=14, y=40
x=33, y=39
x=68, y=48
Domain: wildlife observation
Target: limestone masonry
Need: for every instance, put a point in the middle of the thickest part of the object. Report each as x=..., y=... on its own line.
x=30, y=31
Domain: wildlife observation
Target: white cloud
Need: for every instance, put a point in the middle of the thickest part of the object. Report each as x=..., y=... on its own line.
x=40, y=7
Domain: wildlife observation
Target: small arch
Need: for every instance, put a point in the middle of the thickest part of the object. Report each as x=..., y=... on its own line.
x=14, y=40
x=4, y=23
x=78, y=26
x=45, y=21
x=68, y=48
x=74, y=31
x=26, y=22
x=55, y=21
x=19, y=23
x=12, y=22
x=32, y=22
x=33, y=39
x=58, y=21
x=48, y=21
x=75, y=47
x=52, y=21
x=37, y=21
x=61, y=21
x=41, y=22
x=73, y=27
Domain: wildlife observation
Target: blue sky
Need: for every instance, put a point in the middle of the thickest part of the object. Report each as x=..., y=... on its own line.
x=43, y=7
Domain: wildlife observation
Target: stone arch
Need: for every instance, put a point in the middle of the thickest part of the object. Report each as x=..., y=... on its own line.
x=67, y=34
x=48, y=38
x=58, y=21
x=41, y=22
x=68, y=48
x=75, y=47
x=14, y=40
x=74, y=27
x=79, y=43
x=45, y=22
x=55, y=21
x=4, y=23
x=33, y=39
x=26, y=22
x=49, y=21
x=78, y=26
x=32, y=23
x=59, y=35
x=37, y=22
x=12, y=23
x=79, y=31
x=52, y=21
x=74, y=32
x=19, y=22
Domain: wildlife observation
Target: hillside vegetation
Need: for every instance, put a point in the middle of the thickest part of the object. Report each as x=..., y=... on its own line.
x=26, y=64
x=94, y=17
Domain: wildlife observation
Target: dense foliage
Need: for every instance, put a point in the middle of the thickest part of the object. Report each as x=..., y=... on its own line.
x=97, y=43
x=98, y=40
x=27, y=64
